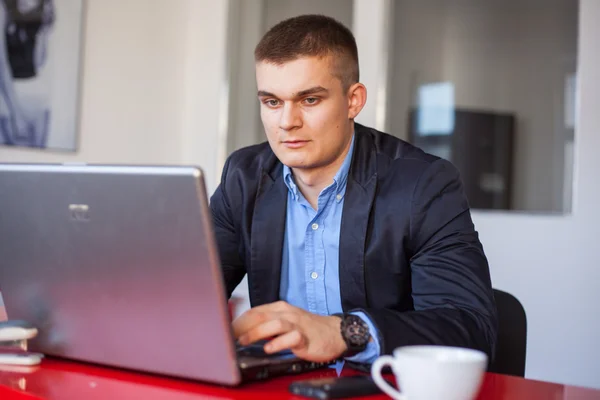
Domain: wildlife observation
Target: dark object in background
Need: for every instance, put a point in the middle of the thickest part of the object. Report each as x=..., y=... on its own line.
x=511, y=346
x=335, y=388
x=21, y=31
x=480, y=145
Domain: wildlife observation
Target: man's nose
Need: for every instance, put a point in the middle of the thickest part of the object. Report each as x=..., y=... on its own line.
x=290, y=117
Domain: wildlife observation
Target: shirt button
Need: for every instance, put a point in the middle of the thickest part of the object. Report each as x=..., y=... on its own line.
x=315, y=226
x=338, y=197
x=314, y=275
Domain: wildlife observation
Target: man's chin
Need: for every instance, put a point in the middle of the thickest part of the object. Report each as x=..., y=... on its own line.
x=295, y=165
x=293, y=160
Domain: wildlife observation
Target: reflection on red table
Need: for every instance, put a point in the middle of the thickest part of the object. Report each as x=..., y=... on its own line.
x=58, y=380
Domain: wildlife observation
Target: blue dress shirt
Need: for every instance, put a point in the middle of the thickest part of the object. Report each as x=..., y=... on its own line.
x=310, y=262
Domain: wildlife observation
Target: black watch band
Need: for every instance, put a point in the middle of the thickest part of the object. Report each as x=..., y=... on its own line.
x=355, y=333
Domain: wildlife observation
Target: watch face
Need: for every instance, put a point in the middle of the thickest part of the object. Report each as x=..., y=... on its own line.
x=356, y=331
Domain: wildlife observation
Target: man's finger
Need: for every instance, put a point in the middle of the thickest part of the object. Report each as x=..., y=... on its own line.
x=258, y=315
x=277, y=306
x=248, y=321
x=291, y=340
x=266, y=330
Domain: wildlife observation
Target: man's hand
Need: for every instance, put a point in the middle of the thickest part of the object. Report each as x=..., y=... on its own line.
x=309, y=336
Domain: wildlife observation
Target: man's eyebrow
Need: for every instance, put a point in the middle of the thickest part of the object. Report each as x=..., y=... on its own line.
x=302, y=93
x=312, y=90
x=262, y=93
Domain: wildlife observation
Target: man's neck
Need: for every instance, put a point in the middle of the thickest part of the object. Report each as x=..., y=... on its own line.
x=312, y=181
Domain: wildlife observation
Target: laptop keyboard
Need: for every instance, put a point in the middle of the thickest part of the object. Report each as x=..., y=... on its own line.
x=256, y=364
x=257, y=350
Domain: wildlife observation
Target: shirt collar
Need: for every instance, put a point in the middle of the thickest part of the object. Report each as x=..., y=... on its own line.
x=289, y=181
x=339, y=180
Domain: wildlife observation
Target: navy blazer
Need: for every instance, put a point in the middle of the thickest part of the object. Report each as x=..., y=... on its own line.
x=410, y=257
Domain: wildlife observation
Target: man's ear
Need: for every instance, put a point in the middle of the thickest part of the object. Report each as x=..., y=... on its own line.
x=357, y=97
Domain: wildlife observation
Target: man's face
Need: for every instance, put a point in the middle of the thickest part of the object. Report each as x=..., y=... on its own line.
x=305, y=112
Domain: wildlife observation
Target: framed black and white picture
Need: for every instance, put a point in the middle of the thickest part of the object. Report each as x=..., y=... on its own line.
x=40, y=61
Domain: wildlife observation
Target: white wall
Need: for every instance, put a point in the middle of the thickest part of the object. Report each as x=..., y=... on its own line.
x=152, y=74
x=278, y=10
x=551, y=263
x=373, y=43
x=505, y=56
x=245, y=127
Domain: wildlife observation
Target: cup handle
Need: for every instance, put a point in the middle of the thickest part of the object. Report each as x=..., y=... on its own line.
x=382, y=383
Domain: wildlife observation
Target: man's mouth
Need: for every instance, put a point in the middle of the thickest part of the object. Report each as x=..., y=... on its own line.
x=295, y=144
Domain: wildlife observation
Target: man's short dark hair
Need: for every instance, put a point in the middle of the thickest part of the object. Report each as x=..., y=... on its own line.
x=312, y=36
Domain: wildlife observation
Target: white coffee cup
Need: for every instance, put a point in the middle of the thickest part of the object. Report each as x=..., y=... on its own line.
x=431, y=372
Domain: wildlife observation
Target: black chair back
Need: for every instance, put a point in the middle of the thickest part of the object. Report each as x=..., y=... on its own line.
x=511, y=344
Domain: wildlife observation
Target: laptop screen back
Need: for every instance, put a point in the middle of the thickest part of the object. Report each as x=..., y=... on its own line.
x=116, y=265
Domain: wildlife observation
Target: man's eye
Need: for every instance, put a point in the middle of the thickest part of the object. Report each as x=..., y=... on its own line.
x=272, y=103
x=311, y=100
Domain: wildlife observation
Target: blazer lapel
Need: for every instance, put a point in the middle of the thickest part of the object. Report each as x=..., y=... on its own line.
x=358, y=201
x=268, y=229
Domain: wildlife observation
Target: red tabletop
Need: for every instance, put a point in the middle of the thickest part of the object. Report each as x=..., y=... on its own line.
x=64, y=380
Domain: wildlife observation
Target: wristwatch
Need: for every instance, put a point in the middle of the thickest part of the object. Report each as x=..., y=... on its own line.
x=355, y=333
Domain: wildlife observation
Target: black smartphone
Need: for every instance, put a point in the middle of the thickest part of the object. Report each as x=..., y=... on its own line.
x=335, y=388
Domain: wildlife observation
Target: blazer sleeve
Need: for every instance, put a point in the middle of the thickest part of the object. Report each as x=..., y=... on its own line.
x=451, y=288
x=226, y=234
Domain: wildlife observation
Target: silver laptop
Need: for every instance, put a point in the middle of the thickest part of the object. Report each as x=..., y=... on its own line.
x=118, y=265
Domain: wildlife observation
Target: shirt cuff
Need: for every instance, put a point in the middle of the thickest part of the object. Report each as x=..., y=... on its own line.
x=370, y=354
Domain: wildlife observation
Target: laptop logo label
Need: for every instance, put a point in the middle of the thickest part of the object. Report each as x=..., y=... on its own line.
x=79, y=212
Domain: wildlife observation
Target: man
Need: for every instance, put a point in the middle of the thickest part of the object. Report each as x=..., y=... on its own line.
x=354, y=242
x=26, y=26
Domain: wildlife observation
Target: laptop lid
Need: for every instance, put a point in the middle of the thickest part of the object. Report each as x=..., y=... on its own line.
x=116, y=265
